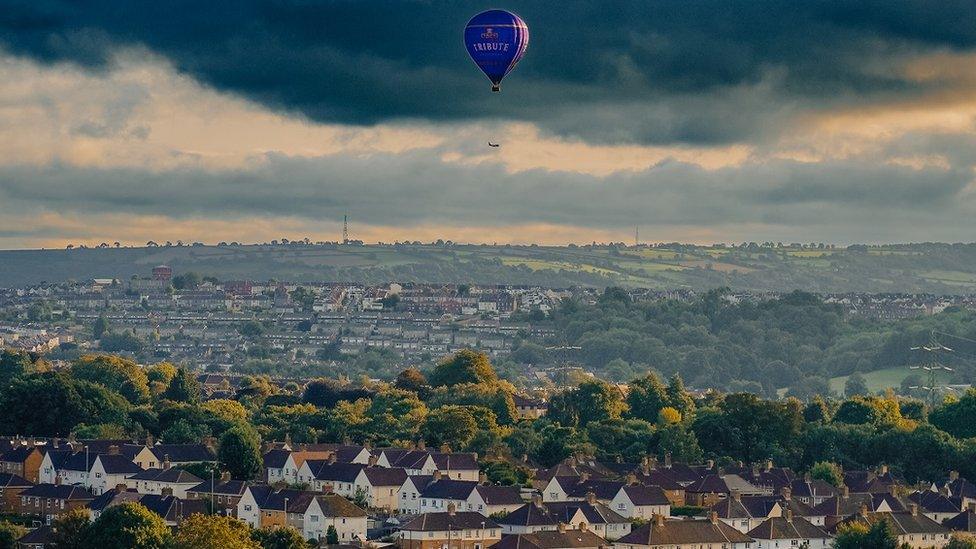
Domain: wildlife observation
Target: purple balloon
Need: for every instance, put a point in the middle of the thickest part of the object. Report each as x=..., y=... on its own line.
x=496, y=40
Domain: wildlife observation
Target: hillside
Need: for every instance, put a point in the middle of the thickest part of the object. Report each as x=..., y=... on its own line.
x=932, y=268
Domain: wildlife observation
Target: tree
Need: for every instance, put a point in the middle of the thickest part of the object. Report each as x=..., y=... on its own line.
x=646, y=397
x=129, y=525
x=163, y=372
x=331, y=536
x=70, y=530
x=115, y=373
x=956, y=418
x=678, y=397
x=411, y=380
x=961, y=541
x=187, y=281
x=827, y=472
x=278, y=537
x=251, y=328
x=239, y=452
x=9, y=534
x=213, y=532
x=454, y=425
x=100, y=326
x=668, y=416
x=593, y=400
x=65, y=402
x=15, y=364
x=465, y=366
x=855, y=385
x=184, y=387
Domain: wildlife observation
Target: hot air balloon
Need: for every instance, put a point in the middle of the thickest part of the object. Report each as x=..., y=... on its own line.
x=496, y=40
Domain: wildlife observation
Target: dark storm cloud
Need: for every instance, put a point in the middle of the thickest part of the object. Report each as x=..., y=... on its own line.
x=647, y=71
x=415, y=188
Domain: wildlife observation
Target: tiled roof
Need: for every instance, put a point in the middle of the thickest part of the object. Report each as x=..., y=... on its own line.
x=116, y=464
x=455, y=461
x=449, y=489
x=595, y=513
x=8, y=480
x=499, y=495
x=224, y=488
x=529, y=515
x=679, y=532
x=57, y=491
x=382, y=476
x=183, y=453
x=646, y=495
x=441, y=522
x=338, y=506
x=963, y=522
x=339, y=472
x=570, y=539
x=787, y=528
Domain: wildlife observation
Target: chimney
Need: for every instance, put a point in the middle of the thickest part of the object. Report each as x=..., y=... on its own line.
x=562, y=527
x=332, y=458
x=590, y=498
x=584, y=477
x=645, y=468
x=914, y=509
x=845, y=491
x=582, y=527
x=346, y=441
x=883, y=470
x=210, y=442
x=265, y=447
x=736, y=495
x=631, y=478
x=786, y=492
x=474, y=456
x=667, y=460
x=769, y=465
x=150, y=440
x=482, y=477
x=972, y=506
x=421, y=444
x=755, y=471
x=437, y=476
x=537, y=500
x=571, y=461
x=658, y=520
x=807, y=477
x=618, y=459
x=166, y=492
x=57, y=480
x=789, y=515
x=121, y=487
x=113, y=450
x=525, y=458
x=166, y=462
x=445, y=449
x=713, y=517
x=303, y=447
x=451, y=509
x=710, y=464
x=864, y=510
x=953, y=475
x=373, y=460
x=55, y=442
x=225, y=476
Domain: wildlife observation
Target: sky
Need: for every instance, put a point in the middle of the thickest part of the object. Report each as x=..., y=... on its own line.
x=698, y=121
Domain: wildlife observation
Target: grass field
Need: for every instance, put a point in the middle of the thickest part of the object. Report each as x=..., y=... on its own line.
x=877, y=380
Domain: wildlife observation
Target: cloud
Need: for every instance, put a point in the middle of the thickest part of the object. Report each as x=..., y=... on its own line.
x=659, y=72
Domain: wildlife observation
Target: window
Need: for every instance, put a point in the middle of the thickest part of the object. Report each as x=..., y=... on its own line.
x=247, y=507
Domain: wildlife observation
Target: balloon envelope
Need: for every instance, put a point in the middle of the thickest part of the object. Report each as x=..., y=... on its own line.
x=496, y=40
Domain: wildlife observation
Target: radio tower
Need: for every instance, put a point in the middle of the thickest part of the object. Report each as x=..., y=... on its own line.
x=636, y=235
x=345, y=230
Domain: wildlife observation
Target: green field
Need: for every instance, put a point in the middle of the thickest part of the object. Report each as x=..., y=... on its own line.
x=878, y=380
x=908, y=268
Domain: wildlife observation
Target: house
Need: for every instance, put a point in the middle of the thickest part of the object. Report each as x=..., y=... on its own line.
x=936, y=506
x=380, y=486
x=530, y=408
x=52, y=460
x=589, y=515
x=38, y=538
x=684, y=534
x=963, y=522
x=154, y=481
x=348, y=519
x=409, y=500
x=637, y=501
x=10, y=488
x=311, y=513
x=441, y=492
x=109, y=471
x=330, y=476
x=789, y=531
x=711, y=488
x=171, y=508
x=492, y=500
x=23, y=461
x=527, y=519
x=224, y=493
x=562, y=538
x=416, y=462
x=746, y=513
x=845, y=504
x=179, y=454
x=457, y=465
x=52, y=500
x=454, y=529
x=911, y=528
x=812, y=492
x=674, y=491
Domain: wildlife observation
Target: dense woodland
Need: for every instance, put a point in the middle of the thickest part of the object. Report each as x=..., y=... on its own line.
x=796, y=341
